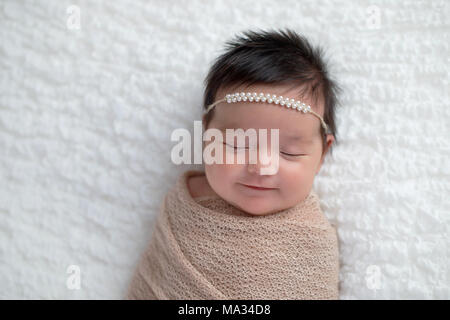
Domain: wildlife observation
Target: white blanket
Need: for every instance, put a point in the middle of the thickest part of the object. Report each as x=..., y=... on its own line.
x=86, y=116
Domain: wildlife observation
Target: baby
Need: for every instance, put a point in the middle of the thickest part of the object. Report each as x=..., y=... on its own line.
x=282, y=64
x=237, y=231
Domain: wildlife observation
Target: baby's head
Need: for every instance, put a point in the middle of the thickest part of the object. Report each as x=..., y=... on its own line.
x=284, y=64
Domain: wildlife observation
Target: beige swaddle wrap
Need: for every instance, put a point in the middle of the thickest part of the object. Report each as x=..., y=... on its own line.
x=211, y=250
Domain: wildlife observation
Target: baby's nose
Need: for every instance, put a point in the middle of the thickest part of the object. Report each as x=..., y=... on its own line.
x=263, y=162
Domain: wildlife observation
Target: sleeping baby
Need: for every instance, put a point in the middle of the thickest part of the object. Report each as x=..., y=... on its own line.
x=252, y=229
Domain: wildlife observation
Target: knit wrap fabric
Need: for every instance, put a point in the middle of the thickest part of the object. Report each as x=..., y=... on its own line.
x=212, y=250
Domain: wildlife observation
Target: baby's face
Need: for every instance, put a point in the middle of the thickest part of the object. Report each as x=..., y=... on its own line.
x=299, y=133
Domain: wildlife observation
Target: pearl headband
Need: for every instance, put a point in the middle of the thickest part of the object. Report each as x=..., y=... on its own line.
x=269, y=98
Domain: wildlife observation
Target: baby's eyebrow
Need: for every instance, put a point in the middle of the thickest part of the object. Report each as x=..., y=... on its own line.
x=289, y=138
x=298, y=138
x=301, y=139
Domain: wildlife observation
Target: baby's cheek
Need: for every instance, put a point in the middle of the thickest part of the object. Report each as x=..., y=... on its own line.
x=220, y=177
x=213, y=153
x=292, y=174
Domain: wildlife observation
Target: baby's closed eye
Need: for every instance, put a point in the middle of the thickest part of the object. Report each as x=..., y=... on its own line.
x=282, y=152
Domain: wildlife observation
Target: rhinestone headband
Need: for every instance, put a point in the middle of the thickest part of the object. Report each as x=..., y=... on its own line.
x=269, y=98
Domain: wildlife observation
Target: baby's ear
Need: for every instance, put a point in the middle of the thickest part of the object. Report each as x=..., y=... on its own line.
x=330, y=140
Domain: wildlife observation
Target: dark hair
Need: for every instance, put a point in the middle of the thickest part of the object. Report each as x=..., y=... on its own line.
x=273, y=57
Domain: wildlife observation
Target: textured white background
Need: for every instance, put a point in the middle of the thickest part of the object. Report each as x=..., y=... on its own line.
x=86, y=117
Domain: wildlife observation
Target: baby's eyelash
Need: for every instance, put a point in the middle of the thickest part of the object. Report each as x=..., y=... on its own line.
x=293, y=155
x=285, y=153
x=234, y=146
